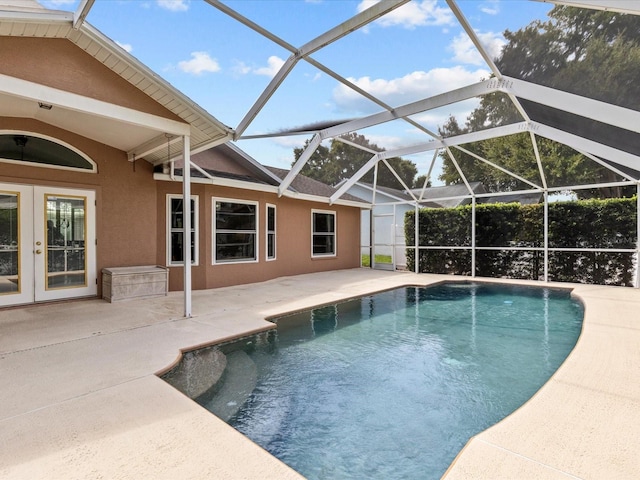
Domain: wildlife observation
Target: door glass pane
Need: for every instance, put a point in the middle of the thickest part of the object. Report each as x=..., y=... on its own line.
x=9, y=243
x=65, y=244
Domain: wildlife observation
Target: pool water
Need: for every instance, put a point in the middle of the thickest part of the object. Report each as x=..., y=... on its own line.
x=393, y=385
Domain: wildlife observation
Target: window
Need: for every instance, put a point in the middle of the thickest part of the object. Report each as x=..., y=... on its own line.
x=175, y=229
x=235, y=225
x=323, y=235
x=40, y=151
x=271, y=232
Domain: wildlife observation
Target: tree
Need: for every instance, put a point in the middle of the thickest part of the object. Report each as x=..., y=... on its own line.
x=341, y=161
x=571, y=51
x=419, y=181
x=320, y=166
x=587, y=52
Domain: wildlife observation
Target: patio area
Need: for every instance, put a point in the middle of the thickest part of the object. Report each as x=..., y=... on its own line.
x=81, y=398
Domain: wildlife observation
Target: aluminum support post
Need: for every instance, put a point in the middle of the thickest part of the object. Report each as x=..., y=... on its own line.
x=186, y=222
x=473, y=236
x=416, y=224
x=546, y=235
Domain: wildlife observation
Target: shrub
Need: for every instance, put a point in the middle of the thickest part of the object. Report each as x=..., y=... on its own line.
x=594, y=224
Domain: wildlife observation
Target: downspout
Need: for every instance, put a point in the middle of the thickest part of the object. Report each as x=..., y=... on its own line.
x=186, y=222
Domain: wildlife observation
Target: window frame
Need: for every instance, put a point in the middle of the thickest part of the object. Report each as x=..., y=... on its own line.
x=334, y=233
x=195, y=230
x=273, y=232
x=93, y=165
x=214, y=231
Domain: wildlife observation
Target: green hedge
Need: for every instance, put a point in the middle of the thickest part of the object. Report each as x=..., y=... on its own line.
x=582, y=224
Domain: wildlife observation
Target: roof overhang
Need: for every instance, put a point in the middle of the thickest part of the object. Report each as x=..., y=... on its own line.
x=119, y=127
x=141, y=135
x=260, y=187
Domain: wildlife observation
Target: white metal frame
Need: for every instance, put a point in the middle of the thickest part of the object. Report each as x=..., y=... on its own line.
x=335, y=233
x=214, y=231
x=268, y=232
x=194, y=229
x=513, y=88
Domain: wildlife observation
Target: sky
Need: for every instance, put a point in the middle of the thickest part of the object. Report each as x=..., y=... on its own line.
x=417, y=51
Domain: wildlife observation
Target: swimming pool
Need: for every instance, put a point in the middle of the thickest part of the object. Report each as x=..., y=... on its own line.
x=394, y=384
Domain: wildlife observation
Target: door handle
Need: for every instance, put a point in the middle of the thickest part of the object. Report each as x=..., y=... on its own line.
x=38, y=251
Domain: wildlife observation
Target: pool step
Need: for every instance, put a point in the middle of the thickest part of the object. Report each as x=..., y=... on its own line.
x=198, y=373
x=240, y=378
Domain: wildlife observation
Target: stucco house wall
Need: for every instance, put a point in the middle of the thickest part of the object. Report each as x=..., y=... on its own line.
x=131, y=217
x=293, y=238
x=126, y=219
x=57, y=63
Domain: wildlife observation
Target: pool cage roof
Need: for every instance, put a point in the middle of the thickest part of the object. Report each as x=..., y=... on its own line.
x=605, y=133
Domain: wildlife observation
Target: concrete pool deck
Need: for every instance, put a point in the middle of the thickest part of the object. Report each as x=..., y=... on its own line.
x=80, y=397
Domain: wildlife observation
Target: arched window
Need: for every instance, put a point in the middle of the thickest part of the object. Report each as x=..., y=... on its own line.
x=18, y=147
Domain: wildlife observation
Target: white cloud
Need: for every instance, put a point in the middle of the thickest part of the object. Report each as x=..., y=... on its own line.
x=295, y=141
x=413, y=14
x=200, y=62
x=387, y=142
x=174, y=5
x=436, y=118
x=465, y=52
x=240, y=68
x=399, y=91
x=125, y=46
x=315, y=77
x=490, y=7
x=274, y=64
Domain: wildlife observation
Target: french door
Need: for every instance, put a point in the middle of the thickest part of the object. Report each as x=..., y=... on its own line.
x=47, y=244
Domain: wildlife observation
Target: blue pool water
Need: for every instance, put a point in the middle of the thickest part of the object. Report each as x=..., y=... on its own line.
x=393, y=385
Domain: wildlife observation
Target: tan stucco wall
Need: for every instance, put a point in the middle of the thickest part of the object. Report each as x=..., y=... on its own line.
x=131, y=217
x=126, y=199
x=293, y=238
x=60, y=64
x=131, y=205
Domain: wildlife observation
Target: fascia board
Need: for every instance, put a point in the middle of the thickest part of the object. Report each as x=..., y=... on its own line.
x=226, y=182
x=44, y=17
